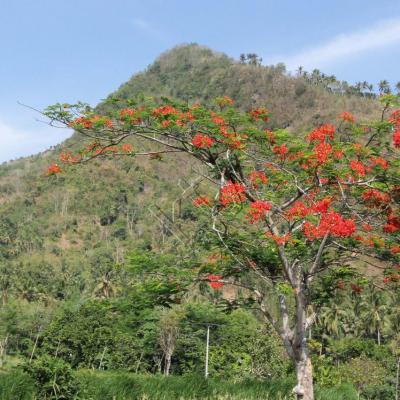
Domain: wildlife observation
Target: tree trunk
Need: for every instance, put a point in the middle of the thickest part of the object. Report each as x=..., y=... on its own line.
x=167, y=366
x=304, y=389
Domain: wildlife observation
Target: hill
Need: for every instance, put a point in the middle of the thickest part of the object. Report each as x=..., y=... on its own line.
x=61, y=237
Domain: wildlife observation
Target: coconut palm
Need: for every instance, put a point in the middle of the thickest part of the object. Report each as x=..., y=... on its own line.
x=375, y=312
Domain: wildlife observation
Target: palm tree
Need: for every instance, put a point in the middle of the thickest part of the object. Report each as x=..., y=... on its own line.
x=384, y=87
x=375, y=313
x=300, y=71
x=398, y=88
x=332, y=319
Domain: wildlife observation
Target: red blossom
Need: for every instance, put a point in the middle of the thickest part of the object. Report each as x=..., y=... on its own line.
x=330, y=223
x=232, y=193
x=130, y=115
x=374, y=198
x=395, y=118
x=202, y=141
x=356, y=289
x=348, y=117
x=320, y=134
x=127, y=148
x=366, y=228
x=257, y=178
x=279, y=240
x=217, y=119
x=281, y=150
x=53, y=169
x=83, y=122
x=201, y=201
x=357, y=166
x=165, y=110
x=298, y=210
x=396, y=138
x=270, y=136
x=322, y=151
x=379, y=161
x=214, y=281
x=259, y=113
x=395, y=249
x=392, y=224
x=321, y=206
x=69, y=158
x=258, y=210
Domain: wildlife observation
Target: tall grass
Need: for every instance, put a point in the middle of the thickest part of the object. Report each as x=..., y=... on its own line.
x=119, y=385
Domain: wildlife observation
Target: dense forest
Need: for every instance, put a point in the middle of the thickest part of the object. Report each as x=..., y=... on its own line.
x=91, y=263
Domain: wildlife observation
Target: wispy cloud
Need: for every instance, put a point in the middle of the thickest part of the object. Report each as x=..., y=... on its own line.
x=148, y=29
x=382, y=34
x=17, y=142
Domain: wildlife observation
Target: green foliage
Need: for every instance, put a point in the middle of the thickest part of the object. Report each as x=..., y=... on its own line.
x=53, y=378
x=17, y=385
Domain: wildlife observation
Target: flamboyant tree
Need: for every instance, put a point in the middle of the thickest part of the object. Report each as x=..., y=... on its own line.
x=287, y=207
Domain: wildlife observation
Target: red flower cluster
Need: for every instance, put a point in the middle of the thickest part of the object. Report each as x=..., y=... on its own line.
x=301, y=210
x=82, y=122
x=165, y=110
x=396, y=138
x=214, y=281
x=259, y=113
x=298, y=210
x=217, y=119
x=232, y=193
x=281, y=150
x=322, y=151
x=379, y=162
x=320, y=134
x=257, y=178
x=391, y=278
x=358, y=167
x=53, y=169
x=130, y=115
x=374, y=198
x=279, y=240
x=202, y=141
x=367, y=228
x=270, y=136
x=184, y=118
x=258, y=210
x=69, y=158
x=395, y=120
x=348, y=117
x=201, y=201
x=356, y=289
x=395, y=117
x=392, y=224
x=127, y=148
x=89, y=123
x=332, y=223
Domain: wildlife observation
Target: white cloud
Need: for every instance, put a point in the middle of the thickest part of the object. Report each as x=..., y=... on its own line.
x=382, y=34
x=15, y=142
x=148, y=29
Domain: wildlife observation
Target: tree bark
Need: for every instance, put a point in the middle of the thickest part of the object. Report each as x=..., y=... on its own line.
x=167, y=364
x=304, y=389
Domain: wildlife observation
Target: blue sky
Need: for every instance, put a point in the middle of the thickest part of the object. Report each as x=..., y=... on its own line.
x=53, y=50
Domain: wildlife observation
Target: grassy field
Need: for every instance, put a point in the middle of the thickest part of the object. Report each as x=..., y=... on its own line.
x=125, y=386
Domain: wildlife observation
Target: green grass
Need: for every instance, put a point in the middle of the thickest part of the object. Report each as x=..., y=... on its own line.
x=119, y=385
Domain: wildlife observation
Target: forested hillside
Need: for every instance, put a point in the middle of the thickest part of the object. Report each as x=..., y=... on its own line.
x=73, y=248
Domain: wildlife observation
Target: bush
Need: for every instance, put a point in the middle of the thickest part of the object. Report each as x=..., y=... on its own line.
x=16, y=385
x=53, y=378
